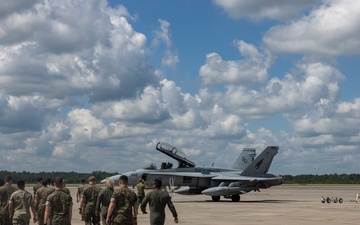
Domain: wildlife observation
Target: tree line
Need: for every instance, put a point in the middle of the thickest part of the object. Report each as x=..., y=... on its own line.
x=75, y=177
x=70, y=177
x=323, y=179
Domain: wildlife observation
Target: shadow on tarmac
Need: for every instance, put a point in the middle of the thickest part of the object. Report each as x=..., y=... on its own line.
x=229, y=201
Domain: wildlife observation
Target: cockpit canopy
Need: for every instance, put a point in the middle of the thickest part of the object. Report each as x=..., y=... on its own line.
x=151, y=166
x=175, y=154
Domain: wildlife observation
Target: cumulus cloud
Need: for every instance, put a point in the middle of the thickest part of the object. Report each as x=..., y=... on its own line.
x=60, y=50
x=331, y=29
x=252, y=69
x=163, y=36
x=262, y=9
x=76, y=90
x=312, y=84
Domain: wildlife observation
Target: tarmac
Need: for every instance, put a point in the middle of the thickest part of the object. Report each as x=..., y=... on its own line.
x=285, y=204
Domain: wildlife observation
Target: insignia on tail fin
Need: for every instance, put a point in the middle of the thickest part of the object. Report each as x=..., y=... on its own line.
x=262, y=163
x=246, y=157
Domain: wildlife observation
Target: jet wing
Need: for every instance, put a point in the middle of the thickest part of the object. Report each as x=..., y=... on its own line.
x=244, y=178
x=182, y=174
x=175, y=154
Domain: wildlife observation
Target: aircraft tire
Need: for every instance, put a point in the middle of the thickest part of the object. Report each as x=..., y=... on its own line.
x=215, y=198
x=340, y=200
x=235, y=198
x=328, y=200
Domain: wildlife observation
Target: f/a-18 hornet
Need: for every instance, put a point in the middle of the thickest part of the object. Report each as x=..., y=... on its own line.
x=247, y=174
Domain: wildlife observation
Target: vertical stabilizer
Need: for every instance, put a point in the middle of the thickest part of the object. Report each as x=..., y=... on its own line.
x=246, y=157
x=262, y=163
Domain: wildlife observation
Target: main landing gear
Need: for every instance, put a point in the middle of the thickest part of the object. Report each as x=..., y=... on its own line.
x=234, y=198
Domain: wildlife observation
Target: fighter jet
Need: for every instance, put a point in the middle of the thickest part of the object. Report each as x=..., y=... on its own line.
x=247, y=174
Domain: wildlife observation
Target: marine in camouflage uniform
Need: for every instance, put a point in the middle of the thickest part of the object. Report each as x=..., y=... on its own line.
x=40, y=200
x=123, y=204
x=58, y=209
x=5, y=193
x=20, y=203
x=37, y=186
x=157, y=200
x=80, y=190
x=103, y=201
x=141, y=193
x=88, y=203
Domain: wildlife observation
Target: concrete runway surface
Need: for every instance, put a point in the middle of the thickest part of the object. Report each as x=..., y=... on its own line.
x=285, y=204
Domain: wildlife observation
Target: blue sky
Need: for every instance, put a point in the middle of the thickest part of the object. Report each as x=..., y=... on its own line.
x=94, y=85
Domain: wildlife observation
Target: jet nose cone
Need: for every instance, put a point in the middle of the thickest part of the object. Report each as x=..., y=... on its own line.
x=115, y=178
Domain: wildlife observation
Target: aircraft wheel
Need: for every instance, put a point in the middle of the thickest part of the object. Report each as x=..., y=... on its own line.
x=235, y=198
x=328, y=200
x=340, y=200
x=215, y=198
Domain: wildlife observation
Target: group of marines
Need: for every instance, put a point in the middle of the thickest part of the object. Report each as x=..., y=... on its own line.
x=51, y=203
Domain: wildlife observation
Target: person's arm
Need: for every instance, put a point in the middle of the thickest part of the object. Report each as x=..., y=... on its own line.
x=109, y=212
x=70, y=212
x=98, y=202
x=32, y=206
x=36, y=199
x=82, y=200
x=135, y=208
x=77, y=195
x=11, y=209
x=47, y=213
x=172, y=209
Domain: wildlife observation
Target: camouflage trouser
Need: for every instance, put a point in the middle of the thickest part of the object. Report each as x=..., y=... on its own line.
x=103, y=214
x=20, y=222
x=5, y=219
x=122, y=223
x=40, y=215
x=91, y=219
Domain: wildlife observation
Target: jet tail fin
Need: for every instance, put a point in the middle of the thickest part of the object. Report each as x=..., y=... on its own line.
x=246, y=157
x=262, y=163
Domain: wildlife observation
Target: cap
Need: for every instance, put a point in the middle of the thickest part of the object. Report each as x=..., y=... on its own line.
x=91, y=178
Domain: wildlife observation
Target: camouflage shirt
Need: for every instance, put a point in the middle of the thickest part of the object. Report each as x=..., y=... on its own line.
x=104, y=199
x=5, y=193
x=36, y=187
x=66, y=190
x=90, y=194
x=124, y=200
x=21, y=201
x=42, y=194
x=60, y=204
x=80, y=190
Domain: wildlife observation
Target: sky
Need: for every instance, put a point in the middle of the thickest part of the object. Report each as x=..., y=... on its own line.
x=94, y=85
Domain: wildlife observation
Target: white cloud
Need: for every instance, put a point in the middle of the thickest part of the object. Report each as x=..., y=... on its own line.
x=163, y=35
x=9, y=7
x=61, y=51
x=76, y=90
x=331, y=29
x=252, y=69
x=262, y=9
x=315, y=83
